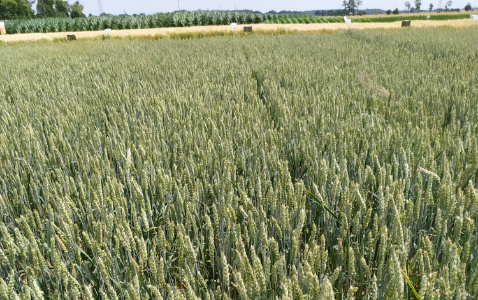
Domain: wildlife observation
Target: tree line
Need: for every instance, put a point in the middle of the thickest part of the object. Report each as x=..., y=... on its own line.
x=23, y=9
x=351, y=7
x=448, y=4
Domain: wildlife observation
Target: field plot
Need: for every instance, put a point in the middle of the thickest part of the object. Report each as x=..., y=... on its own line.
x=301, y=166
x=227, y=30
x=424, y=16
x=181, y=19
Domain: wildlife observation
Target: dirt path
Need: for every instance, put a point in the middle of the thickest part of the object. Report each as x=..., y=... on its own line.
x=265, y=27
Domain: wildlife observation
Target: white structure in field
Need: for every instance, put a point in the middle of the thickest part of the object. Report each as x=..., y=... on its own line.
x=474, y=17
x=347, y=21
x=233, y=25
x=2, y=28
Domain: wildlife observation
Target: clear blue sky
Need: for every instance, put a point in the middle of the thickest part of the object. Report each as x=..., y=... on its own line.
x=154, y=6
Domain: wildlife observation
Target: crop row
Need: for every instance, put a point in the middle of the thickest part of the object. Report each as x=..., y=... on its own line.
x=434, y=17
x=185, y=18
x=176, y=19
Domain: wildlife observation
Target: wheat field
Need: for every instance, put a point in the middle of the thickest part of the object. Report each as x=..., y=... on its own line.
x=295, y=166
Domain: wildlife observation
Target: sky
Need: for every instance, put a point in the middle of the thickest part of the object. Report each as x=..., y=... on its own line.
x=153, y=6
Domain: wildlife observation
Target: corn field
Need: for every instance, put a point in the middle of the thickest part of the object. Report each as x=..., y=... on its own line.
x=176, y=19
x=300, y=166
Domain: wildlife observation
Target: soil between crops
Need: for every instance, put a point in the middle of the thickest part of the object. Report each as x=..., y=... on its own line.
x=261, y=27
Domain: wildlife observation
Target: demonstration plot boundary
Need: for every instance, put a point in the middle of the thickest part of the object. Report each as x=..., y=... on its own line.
x=207, y=29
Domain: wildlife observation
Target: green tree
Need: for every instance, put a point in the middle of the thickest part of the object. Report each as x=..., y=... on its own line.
x=448, y=4
x=395, y=11
x=62, y=8
x=8, y=9
x=431, y=6
x=15, y=9
x=468, y=7
x=407, y=5
x=418, y=3
x=45, y=8
x=76, y=10
x=25, y=10
x=351, y=5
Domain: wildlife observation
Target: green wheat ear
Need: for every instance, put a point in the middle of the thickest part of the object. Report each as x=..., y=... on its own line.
x=410, y=284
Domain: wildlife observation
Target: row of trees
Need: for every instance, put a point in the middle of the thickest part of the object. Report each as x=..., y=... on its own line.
x=448, y=4
x=351, y=6
x=395, y=11
x=59, y=8
x=23, y=9
x=338, y=12
x=418, y=4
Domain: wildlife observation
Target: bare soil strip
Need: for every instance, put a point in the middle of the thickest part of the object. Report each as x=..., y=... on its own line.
x=262, y=27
